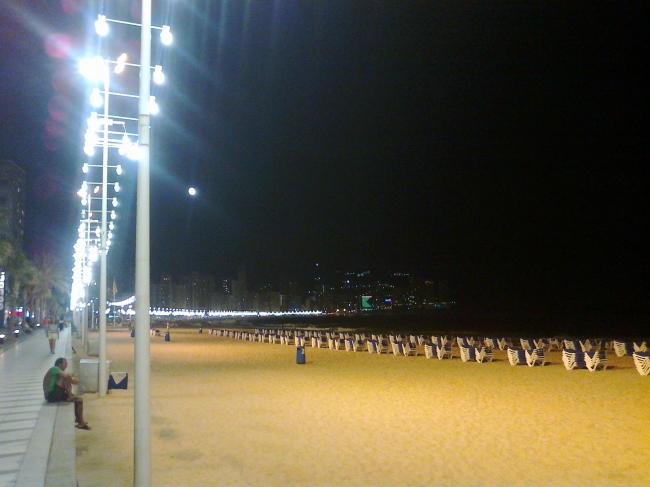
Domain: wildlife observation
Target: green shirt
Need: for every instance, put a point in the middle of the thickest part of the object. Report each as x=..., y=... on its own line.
x=54, y=376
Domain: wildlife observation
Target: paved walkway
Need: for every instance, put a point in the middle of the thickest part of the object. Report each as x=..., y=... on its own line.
x=37, y=439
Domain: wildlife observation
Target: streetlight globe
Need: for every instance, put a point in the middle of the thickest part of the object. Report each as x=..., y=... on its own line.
x=93, y=69
x=166, y=35
x=101, y=26
x=153, y=106
x=192, y=191
x=96, y=99
x=120, y=63
x=158, y=75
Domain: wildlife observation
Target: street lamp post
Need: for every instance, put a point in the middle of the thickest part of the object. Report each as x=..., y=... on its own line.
x=84, y=318
x=142, y=405
x=103, y=372
x=142, y=416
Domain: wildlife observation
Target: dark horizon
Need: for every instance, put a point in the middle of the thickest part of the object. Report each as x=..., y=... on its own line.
x=502, y=148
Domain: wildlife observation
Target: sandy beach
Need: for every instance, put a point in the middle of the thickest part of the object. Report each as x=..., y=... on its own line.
x=227, y=412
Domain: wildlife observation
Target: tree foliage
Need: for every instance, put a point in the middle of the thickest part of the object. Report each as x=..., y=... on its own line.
x=39, y=285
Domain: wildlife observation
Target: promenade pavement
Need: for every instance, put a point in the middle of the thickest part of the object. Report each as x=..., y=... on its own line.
x=37, y=439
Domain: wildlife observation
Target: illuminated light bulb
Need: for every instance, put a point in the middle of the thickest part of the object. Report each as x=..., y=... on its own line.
x=121, y=63
x=97, y=231
x=118, y=169
x=110, y=235
x=101, y=26
x=93, y=69
x=153, y=106
x=114, y=202
x=116, y=187
x=84, y=201
x=93, y=121
x=158, y=75
x=123, y=148
x=93, y=253
x=96, y=99
x=111, y=226
x=91, y=138
x=113, y=215
x=166, y=35
x=84, y=168
x=133, y=152
x=96, y=190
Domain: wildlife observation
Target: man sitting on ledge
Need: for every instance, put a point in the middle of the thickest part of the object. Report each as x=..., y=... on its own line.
x=57, y=387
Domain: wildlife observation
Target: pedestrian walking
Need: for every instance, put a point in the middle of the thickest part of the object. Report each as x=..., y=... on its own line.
x=52, y=331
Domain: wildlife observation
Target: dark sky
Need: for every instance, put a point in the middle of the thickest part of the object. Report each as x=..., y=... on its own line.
x=500, y=146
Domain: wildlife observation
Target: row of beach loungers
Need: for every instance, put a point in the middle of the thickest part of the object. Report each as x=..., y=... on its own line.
x=590, y=354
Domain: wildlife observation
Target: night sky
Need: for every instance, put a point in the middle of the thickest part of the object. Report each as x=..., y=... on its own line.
x=501, y=146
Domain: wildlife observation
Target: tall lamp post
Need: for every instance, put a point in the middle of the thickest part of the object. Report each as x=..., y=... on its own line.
x=142, y=396
x=103, y=373
x=142, y=407
x=97, y=69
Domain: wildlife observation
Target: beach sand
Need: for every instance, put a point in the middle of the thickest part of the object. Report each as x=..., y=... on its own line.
x=227, y=412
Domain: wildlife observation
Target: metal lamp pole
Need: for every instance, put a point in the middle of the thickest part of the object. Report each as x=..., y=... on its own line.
x=84, y=318
x=142, y=405
x=103, y=373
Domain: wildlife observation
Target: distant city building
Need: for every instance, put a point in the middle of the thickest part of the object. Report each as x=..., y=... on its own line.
x=239, y=291
x=226, y=286
x=222, y=302
x=198, y=290
x=162, y=293
x=13, y=182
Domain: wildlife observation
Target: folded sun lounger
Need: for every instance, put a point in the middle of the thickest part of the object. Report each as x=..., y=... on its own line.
x=642, y=362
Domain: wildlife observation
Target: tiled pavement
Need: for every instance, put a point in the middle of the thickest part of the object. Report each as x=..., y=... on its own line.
x=37, y=446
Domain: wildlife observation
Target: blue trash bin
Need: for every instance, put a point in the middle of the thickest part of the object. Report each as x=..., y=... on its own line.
x=167, y=336
x=132, y=332
x=300, y=355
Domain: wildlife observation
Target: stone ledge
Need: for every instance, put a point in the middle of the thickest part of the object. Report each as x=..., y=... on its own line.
x=34, y=466
x=61, y=466
x=50, y=459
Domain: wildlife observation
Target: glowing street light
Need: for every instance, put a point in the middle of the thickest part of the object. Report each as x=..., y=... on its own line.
x=101, y=26
x=158, y=75
x=120, y=63
x=166, y=35
x=153, y=106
